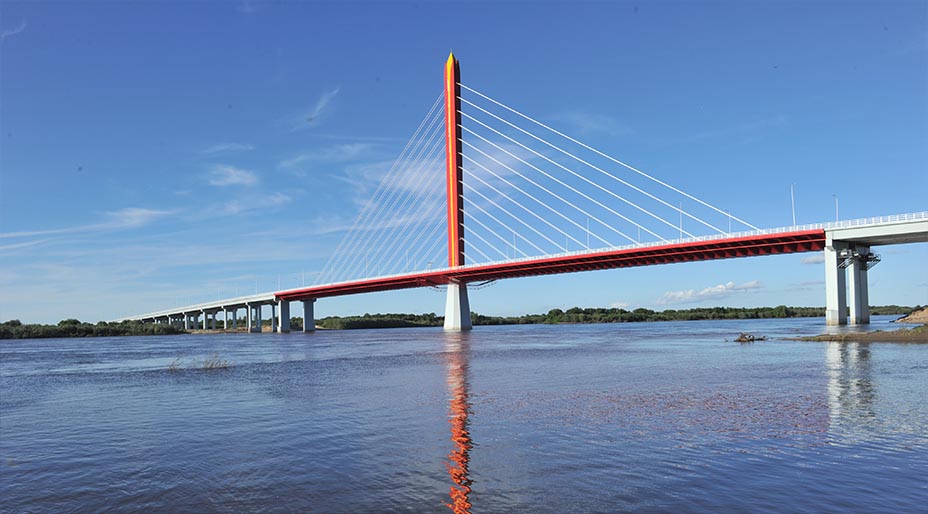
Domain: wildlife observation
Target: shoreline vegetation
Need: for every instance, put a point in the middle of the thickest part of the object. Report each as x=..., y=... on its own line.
x=902, y=335
x=14, y=329
x=579, y=315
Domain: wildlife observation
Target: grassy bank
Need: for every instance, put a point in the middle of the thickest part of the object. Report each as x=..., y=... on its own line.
x=903, y=335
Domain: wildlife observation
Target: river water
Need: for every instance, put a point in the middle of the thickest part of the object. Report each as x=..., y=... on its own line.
x=645, y=417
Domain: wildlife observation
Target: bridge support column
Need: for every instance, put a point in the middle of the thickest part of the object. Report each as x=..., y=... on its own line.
x=205, y=320
x=857, y=288
x=457, y=308
x=309, y=317
x=225, y=318
x=283, y=321
x=835, y=284
x=253, y=317
x=273, y=317
x=235, y=318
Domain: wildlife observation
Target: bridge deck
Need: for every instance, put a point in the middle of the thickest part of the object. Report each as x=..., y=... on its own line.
x=746, y=246
x=899, y=228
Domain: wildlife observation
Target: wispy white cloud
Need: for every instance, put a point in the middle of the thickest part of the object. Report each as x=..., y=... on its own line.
x=27, y=244
x=356, y=138
x=586, y=123
x=324, y=100
x=745, y=130
x=315, y=114
x=223, y=175
x=254, y=203
x=12, y=32
x=816, y=258
x=226, y=147
x=421, y=177
x=333, y=154
x=330, y=224
x=124, y=218
x=619, y=305
x=806, y=285
x=133, y=217
x=709, y=293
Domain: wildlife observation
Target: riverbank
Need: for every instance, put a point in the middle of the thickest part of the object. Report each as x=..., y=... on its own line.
x=918, y=335
x=905, y=335
x=73, y=328
x=917, y=316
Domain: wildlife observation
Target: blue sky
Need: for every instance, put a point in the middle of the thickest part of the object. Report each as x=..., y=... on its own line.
x=159, y=153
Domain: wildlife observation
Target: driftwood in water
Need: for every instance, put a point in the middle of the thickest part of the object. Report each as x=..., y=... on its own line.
x=749, y=338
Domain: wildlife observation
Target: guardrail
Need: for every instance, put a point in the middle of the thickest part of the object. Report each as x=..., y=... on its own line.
x=270, y=295
x=861, y=222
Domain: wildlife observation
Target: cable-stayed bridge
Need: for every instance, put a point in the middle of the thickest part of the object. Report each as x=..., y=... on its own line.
x=483, y=192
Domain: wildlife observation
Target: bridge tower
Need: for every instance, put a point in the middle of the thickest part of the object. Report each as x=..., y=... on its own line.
x=457, y=307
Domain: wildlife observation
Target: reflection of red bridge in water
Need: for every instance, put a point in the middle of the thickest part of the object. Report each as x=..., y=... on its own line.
x=459, y=458
x=544, y=212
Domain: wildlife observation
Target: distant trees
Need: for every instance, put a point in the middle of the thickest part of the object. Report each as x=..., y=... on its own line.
x=592, y=315
x=14, y=329
x=389, y=320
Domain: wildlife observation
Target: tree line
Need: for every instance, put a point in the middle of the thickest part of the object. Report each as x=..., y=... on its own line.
x=594, y=315
x=14, y=329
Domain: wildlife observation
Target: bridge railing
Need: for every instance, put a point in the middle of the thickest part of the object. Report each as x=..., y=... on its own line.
x=211, y=305
x=861, y=222
x=269, y=296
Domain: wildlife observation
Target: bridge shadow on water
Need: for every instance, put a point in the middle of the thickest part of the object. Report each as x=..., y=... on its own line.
x=457, y=346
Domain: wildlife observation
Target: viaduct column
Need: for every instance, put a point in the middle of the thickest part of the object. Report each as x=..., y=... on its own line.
x=283, y=320
x=835, y=283
x=857, y=286
x=309, y=317
x=457, y=307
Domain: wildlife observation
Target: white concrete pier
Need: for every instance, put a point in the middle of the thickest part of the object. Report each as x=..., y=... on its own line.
x=283, y=321
x=848, y=259
x=457, y=308
x=857, y=289
x=309, y=316
x=835, y=285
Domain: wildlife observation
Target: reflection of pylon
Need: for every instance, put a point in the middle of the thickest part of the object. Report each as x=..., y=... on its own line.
x=459, y=458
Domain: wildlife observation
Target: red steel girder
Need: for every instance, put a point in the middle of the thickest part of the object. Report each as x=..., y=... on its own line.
x=748, y=246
